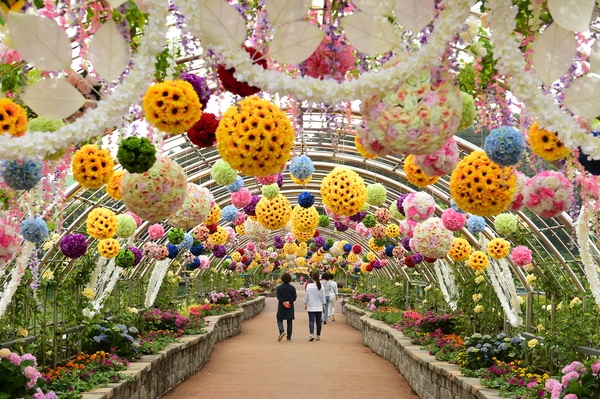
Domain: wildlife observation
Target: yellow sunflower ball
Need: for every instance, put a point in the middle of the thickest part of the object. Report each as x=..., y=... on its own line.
x=113, y=187
x=498, y=248
x=371, y=256
x=392, y=230
x=301, y=182
x=302, y=249
x=303, y=236
x=481, y=187
x=545, y=144
x=343, y=191
x=362, y=150
x=273, y=213
x=101, y=223
x=305, y=219
x=415, y=174
x=13, y=116
x=236, y=256
x=172, y=106
x=214, y=215
x=460, y=250
x=353, y=258
x=92, y=166
x=290, y=248
x=478, y=260
x=240, y=229
x=255, y=137
x=109, y=247
x=219, y=237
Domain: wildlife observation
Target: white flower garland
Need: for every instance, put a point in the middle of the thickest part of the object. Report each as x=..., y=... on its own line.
x=306, y=88
x=104, y=286
x=446, y=281
x=156, y=280
x=583, y=241
x=525, y=85
x=35, y=145
x=17, y=273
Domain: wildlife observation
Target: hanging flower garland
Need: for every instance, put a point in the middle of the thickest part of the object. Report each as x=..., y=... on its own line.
x=16, y=275
x=446, y=282
x=583, y=241
x=234, y=86
x=9, y=242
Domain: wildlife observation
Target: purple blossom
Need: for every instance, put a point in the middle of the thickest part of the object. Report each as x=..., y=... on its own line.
x=250, y=209
x=137, y=253
x=74, y=245
x=200, y=87
x=358, y=217
x=219, y=251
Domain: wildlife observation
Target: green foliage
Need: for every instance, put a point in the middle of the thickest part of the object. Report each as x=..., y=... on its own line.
x=164, y=59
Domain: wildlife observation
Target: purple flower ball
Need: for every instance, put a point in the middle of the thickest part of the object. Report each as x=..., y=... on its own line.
x=377, y=264
x=250, y=209
x=406, y=244
x=278, y=242
x=358, y=217
x=137, y=253
x=417, y=258
x=319, y=241
x=340, y=226
x=74, y=245
x=219, y=251
x=280, y=180
x=200, y=87
x=399, y=204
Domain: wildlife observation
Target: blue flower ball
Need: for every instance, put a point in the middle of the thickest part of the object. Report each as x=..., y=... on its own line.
x=505, y=146
x=389, y=250
x=356, y=269
x=34, y=230
x=22, y=175
x=301, y=167
x=326, y=247
x=306, y=199
x=229, y=213
x=308, y=254
x=197, y=250
x=475, y=224
x=173, y=251
x=193, y=265
x=455, y=207
x=237, y=185
x=187, y=242
x=347, y=248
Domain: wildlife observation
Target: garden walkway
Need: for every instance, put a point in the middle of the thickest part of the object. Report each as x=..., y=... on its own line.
x=254, y=364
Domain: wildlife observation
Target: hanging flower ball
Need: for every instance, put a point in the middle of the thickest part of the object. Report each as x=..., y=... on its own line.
x=255, y=231
x=302, y=236
x=383, y=215
x=369, y=221
x=392, y=230
x=156, y=194
x=548, y=194
x=478, y=260
x=175, y=236
x=21, y=175
x=406, y=243
x=236, y=186
x=156, y=231
x=398, y=251
x=113, y=186
x=504, y=146
x=306, y=199
x=332, y=59
x=92, y=166
x=301, y=182
x=399, y=204
x=229, y=213
x=361, y=148
x=521, y=256
x=204, y=132
x=195, y=208
x=173, y=251
x=415, y=175
x=378, y=231
x=73, y=245
x=34, y=230
x=109, y=248
x=241, y=218
x=343, y=191
x=376, y=194
x=259, y=146
x=200, y=87
x=101, y=223
x=219, y=251
x=468, y=111
x=417, y=258
x=358, y=217
x=126, y=226
x=517, y=201
x=266, y=180
x=481, y=187
x=172, y=106
x=222, y=173
x=250, y=209
x=214, y=215
x=137, y=255
x=135, y=217
x=270, y=191
x=305, y=219
x=460, y=250
x=505, y=223
x=418, y=206
x=546, y=145
x=431, y=239
x=219, y=237
x=242, y=198
x=136, y=154
x=323, y=221
x=440, y=162
x=201, y=233
x=394, y=213
x=231, y=84
x=301, y=167
x=453, y=220
x=14, y=117
x=475, y=224
x=407, y=227
x=498, y=248
x=273, y=213
x=9, y=242
x=125, y=258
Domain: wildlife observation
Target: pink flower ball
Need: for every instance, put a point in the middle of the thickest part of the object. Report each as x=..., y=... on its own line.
x=431, y=239
x=156, y=231
x=548, y=194
x=362, y=230
x=201, y=233
x=241, y=218
x=378, y=231
x=517, y=202
x=135, y=217
x=407, y=227
x=289, y=237
x=383, y=215
x=418, y=206
x=453, y=220
x=241, y=198
x=9, y=242
x=440, y=162
x=266, y=180
x=251, y=247
x=521, y=256
x=398, y=251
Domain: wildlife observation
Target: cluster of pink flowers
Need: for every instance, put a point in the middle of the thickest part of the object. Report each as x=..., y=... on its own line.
x=331, y=60
x=156, y=231
x=521, y=256
x=9, y=56
x=453, y=220
x=9, y=242
x=575, y=371
x=418, y=206
x=26, y=365
x=440, y=162
x=548, y=194
x=155, y=251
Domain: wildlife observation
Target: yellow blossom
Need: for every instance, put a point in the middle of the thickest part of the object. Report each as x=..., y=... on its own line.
x=530, y=279
x=23, y=333
x=532, y=343
x=48, y=275
x=478, y=309
x=559, y=306
x=575, y=301
x=88, y=293
x=477, y=297
x=540, y=327
x=520, y=300
x=398, y=284
x=4, y=352
x=133, y=310
x=427, y=288
x=479, y=279
x=48, y=244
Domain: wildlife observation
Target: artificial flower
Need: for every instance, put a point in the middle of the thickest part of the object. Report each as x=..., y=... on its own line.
x=332, y=59
x=273, y=213
x=415, y=174
x=505, y=223
x=113, y=186
x=12, y=115
x=214, y=215
x=383, y=215
x=136, y=154
x=92, y=166
x=460, y=249
x=498, y=248
x=418, y=206
x=21, y=175
x=109, y=248
x=548, y=194
x=195, y=207
x=545, y=144
x=478, y=260
x=101, y=223
x=305, y=219
x=361, y=148
x=431, y=239
x=376, y=194
x=231, y=84
x=74, y=245
x=172, y=106
x=343, y=191
x=440, y=162
x=203, y=133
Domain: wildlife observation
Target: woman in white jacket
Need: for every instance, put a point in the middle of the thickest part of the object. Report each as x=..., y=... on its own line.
x=314, y=301
x=333, y=295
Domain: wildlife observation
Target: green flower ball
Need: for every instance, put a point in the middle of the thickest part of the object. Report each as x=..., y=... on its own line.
x=176, y=236
x=222, y=173
x=126, y=226
x=125, y=258
x=505, y=223
x=365, y=207
x=324, y=221
x=329, y=242
x=468, y=111
x=376, y=194
x=270, y=191
x=369, y=221
x=380, y=242
x=136, y=154
x=394, y=211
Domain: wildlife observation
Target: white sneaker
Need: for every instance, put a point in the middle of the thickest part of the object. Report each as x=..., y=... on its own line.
x=318, y=337
x=311, y=337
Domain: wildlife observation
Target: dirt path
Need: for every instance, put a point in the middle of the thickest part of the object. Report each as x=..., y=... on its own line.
x=254, y=364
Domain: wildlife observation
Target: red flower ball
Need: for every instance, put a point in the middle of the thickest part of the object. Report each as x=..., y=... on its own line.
x=429, y=260
x=408, y=261
x=357, y=249
x=369, y=268
x=212, y=228
x=316, y=233
x=241, y=251
x=202, y=133
x=234, y=86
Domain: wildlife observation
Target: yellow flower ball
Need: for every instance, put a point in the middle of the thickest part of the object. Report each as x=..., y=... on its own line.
x=290, y=248
x=236, y=256
x=240, y=229
x=478, y=260
x=415, y=174
x=172, y=106
x=481, y=187
x=545, y=144
x=101, y=223
x=302, y=250
x=498, y=248
x=12, y=5
x=303, y=236
x=255, y=137
x=392, y=230
x=353, y=258
x=92, y=167
x=109, y=247
x=273, y=213
x=343, y=191
x=13, y=118
x=371, y=256
x=460, y=250
x=301, y=182
x=305, y=219
x=113, y=187
x=219, y=237
x=362, y=150
x=214, y=215
x=317, y=257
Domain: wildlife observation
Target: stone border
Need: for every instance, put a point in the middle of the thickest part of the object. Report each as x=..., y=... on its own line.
x=155, y=375
x=429, y=378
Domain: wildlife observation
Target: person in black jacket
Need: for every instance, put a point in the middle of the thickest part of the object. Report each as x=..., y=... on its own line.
x=286, y=295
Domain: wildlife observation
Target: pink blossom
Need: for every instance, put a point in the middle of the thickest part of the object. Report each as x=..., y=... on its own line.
x=521, y=256
x=570, y=396
x=575, y=366
x=596, y=367
x=567, y=378
x=14, y=359
x=8, y=56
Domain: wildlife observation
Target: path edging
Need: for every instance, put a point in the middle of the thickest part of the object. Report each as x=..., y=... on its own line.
x=428, y=377
x=155, y=375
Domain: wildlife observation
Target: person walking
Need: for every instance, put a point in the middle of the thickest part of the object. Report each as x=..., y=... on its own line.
x=333, y=297
x=314, y=301
x=326, y=287
x=286, y=295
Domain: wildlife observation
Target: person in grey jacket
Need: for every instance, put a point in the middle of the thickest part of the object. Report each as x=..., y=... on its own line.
x=314, y=300
x=286, y=295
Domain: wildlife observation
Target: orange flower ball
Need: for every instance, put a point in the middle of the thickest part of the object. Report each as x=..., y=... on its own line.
x=101, y=223
x=343, y=191
x=92, y=167
x=460, y=250
x=273, y=213
x=498, y=248
x=214, y=215
x=113, y=187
